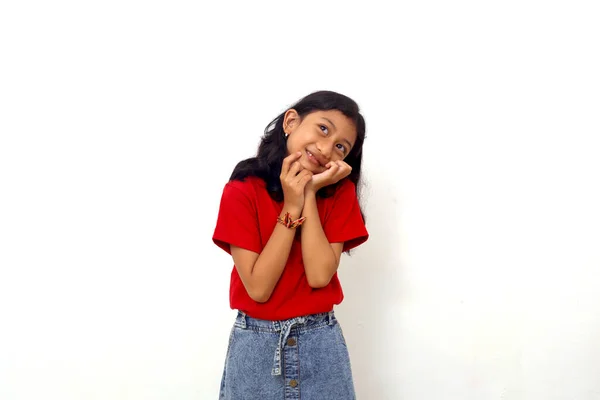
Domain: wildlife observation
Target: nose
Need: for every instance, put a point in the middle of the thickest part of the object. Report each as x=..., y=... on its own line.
x=325, y=148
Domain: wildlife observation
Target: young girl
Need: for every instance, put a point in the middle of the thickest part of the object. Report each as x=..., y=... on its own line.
x=285, y=217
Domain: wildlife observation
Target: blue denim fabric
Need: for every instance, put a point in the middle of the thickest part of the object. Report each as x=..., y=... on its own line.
x=301, y=358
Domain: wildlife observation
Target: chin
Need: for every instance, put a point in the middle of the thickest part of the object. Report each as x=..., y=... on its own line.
x=307, y=165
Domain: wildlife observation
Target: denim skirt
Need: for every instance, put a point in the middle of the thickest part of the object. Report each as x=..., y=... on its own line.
x=300, y=358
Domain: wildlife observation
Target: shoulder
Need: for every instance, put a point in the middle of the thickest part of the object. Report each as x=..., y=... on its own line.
x=345, y=193
x=248, y=185
x=251, y=189
x=345, y=189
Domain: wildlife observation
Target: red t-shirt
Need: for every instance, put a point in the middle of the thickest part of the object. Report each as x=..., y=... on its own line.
x=248, y=216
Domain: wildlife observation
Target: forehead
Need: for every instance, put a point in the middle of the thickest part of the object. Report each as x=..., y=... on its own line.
x=342, y=124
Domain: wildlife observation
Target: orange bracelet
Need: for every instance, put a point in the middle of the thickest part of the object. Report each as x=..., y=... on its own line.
x=288, y=222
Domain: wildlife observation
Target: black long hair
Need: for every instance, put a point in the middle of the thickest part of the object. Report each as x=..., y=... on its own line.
x=273, y=149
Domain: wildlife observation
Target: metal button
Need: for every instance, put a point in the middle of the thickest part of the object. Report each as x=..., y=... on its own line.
x=291, y=342
x=293, y=383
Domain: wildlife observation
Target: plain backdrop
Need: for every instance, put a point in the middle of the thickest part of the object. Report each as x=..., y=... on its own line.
x=120, y=122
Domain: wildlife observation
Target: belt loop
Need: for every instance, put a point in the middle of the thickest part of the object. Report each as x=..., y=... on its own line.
x=242, y=319
x=330, y=318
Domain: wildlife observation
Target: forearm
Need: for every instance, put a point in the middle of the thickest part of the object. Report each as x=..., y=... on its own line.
x=272, y=260
x=320, y=262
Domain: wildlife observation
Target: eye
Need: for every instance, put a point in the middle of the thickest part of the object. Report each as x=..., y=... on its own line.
x=324, y=129
x=341, y=147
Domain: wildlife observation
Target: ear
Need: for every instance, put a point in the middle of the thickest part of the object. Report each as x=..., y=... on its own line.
x=291, y=120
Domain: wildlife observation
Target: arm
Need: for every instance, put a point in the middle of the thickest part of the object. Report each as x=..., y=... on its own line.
x=322, y=246
x=321, y=258
x=261, y=272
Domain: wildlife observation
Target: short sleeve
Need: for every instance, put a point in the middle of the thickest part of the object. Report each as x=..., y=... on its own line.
x=345, y=222
x=237, y=222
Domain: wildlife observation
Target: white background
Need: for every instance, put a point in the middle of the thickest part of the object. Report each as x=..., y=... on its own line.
x=121, y=121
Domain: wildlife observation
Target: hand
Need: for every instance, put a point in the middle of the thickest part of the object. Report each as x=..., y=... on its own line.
x=293, y=181
x=336, y=171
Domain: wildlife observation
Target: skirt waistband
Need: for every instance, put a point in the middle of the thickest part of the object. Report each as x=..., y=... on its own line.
x=284, y=328
x=301, y=323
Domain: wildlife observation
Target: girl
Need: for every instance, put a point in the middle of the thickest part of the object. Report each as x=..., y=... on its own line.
x=285, y=217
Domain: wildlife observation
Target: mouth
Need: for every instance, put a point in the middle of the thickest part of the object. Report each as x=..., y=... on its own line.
x=319, y=162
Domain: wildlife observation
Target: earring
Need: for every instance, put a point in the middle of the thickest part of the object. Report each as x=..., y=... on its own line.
x=286, y=134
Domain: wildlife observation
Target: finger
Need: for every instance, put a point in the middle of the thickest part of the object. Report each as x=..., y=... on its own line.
x=333, y=169
x=290, y=160
x=305, y=179
x=348, y=169
x=303, y=175
x=336, y=172
x=285, y=167
x=295, y=169
x=344, y=167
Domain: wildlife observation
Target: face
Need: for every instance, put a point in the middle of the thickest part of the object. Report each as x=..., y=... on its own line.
x=321, y=137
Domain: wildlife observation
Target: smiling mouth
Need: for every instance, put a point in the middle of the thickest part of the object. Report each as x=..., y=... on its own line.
x=313, y=159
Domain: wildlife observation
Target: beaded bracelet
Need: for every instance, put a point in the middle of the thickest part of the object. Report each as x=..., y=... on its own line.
x=288, y=222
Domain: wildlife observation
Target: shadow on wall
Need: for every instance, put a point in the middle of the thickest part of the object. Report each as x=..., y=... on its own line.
x=371, y=278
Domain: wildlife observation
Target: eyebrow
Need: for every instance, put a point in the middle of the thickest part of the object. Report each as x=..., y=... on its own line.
x=349, y=144
x=328, y=120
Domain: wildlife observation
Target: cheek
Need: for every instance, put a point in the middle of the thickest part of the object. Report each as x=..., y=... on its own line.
x=337, y=157
x=293, y=144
